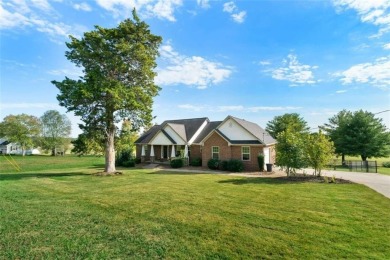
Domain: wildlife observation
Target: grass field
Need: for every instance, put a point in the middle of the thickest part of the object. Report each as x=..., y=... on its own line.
x=60, y=210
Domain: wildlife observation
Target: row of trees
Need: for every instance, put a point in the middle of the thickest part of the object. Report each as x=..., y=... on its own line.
x=356, y=133
x=50, y=131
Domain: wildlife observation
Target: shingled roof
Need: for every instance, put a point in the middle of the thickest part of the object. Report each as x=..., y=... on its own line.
x=207, y=130
x=256, y=130
x=185, y=128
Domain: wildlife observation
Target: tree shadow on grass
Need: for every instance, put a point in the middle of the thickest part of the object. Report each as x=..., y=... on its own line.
x=19, y=176
x=278, y=180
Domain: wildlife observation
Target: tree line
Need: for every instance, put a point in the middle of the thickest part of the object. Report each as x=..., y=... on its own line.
x=357, y=133
x=50, y=132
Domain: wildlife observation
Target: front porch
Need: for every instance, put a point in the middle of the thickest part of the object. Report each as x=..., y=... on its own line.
x=162, y=154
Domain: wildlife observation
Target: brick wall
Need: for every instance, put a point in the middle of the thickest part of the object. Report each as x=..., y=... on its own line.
x=252, y=164
x=215, y=140
x=195, y=152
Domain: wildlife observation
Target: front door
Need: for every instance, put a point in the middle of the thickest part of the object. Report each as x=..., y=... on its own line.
x=165, y=152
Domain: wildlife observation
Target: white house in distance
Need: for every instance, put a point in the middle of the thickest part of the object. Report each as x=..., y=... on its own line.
x=7, y=147
x=232, y=138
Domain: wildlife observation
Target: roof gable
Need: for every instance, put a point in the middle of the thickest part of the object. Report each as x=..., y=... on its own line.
x=255, y=130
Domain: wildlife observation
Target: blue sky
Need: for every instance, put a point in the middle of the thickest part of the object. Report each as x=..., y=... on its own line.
x=250, y=59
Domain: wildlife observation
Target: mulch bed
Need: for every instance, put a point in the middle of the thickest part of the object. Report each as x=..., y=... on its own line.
x=311, y=178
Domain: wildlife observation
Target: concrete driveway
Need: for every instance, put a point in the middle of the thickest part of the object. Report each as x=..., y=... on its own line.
x=376, y=181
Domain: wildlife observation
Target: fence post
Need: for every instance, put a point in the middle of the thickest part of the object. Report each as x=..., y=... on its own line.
x=376, y=167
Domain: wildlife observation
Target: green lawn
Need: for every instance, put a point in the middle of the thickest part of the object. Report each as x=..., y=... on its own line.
x=64, y=212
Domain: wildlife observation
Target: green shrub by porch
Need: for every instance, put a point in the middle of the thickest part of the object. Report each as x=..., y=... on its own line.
x=177, y=163
x=260, y=161
x=196, y=162
x=213, y=164
x=235, y=165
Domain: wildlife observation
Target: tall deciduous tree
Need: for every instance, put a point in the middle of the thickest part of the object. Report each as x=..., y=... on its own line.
x=366, y=136
x=21, y=129
x=290, y=152
x=292, y=121
x=319, y=151
x=56, y=129
x=336, y=130
x=118, y=79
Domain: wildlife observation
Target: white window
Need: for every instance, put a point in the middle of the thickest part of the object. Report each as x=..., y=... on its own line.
x=215, y=152
x=245, y=153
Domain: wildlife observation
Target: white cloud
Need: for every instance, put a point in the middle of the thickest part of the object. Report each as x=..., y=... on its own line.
x=75, y=72
x=264, y=62
x=386, y=46
x=294, y=72
x=341, y=91
x=370, y=11
x=21, y=15
x=82, y=7
x=191, y=71
x=231, y=8
x=162, y=9
x=203, y=3
x=375, y=73
x=236, y=108
x=239, y=17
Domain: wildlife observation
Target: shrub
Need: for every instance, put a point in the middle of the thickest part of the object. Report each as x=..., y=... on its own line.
x=177, y=163
x=386, y=164
x=122, y=157
x=196, y=162
x=137, y=160
x=260, y=161
x=213, y=164
x=235, y=165
x=224, y=165
x=129, y=163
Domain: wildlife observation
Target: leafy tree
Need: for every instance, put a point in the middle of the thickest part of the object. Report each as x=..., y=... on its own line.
x=336, y=129
x=366, y=136
x=292, y=121
x=22, y=129
x=290, y=153
x=56, y=129
x=319, y=151
x=118, y=79
x=87, y=143
x=127, y=137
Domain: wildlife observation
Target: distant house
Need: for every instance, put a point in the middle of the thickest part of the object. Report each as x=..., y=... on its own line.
x=7, y=147
x=232, y=138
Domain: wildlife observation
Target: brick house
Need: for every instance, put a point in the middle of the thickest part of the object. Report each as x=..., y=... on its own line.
x=232, y=138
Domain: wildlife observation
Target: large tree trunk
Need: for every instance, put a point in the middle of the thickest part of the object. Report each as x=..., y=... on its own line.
x=53, y=151
x=364, y=157
x=110, y=151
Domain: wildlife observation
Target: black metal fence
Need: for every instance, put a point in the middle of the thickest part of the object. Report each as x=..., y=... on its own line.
x=362, y=166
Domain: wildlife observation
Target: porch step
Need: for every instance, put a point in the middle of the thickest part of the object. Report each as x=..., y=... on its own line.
x=150, y=166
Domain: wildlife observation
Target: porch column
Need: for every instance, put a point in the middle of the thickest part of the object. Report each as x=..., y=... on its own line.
x=151, y=154
x=142, y=153
x=162, y=153
x=173, y=155
x=186, y=155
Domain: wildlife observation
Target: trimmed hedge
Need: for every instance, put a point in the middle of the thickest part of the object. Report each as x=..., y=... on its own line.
x=235, y=165
x=177, y=163
x=123, y=157
x=129, y=163
x=196, y=162
x=260, y=161
x=224, y=165
x=213, y=164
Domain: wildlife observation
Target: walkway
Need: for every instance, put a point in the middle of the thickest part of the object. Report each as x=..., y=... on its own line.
x=376, y=181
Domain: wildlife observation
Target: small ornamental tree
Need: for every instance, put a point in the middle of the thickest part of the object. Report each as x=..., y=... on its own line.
x=22, y=129
x=319, y=151
x=118, y=81
x=290, y=151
